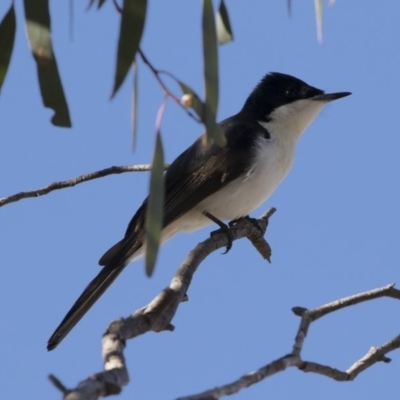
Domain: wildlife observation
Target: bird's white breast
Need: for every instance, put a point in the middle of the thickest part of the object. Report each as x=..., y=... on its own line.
x=272, y=160
x=271, y=163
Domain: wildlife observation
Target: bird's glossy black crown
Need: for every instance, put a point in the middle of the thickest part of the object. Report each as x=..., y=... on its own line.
x=276, y=90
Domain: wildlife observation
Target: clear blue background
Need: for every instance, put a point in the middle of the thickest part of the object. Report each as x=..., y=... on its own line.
x=336, y=231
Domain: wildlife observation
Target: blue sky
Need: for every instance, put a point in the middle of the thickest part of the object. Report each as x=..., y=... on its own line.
x=335, y=232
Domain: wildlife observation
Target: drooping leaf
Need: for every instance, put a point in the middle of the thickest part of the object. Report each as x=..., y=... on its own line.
x=134, y=103
x=210, y=56
x=214, y=133
x=7, y=35
x=224, y=29
x=318, y=18
x=132, y=23
x=155, y=204
x=39, y=35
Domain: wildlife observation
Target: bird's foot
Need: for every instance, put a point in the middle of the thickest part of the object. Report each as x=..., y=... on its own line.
x=234, y=222
x=224, y=228
x=254, y=222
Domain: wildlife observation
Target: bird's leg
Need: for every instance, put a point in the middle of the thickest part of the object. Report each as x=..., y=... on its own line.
x=224, y=228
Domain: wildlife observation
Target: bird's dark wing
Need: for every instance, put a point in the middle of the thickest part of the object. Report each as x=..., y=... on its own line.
x=201, y=171
x=208, y=170
x=194, y=175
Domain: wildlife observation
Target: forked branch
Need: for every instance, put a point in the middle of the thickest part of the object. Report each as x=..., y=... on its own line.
x=293, y=359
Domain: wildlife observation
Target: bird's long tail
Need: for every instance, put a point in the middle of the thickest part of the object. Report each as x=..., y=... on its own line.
x=91, y=294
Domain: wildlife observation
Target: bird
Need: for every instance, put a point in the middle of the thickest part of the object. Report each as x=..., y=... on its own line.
x=212, y=183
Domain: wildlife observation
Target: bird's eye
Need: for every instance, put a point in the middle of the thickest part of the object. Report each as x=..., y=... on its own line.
x=291, y=92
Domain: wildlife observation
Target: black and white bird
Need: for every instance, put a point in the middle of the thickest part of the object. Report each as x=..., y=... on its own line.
x=227, y=183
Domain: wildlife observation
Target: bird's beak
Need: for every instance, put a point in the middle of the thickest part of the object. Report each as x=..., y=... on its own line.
x=330, y=96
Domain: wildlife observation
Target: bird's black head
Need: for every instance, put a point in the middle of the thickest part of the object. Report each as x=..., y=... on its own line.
x=276, y=90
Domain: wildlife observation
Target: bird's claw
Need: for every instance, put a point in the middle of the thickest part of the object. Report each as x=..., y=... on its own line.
x=224, y=228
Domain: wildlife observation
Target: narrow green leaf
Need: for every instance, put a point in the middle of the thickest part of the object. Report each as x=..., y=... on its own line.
x=7, y=35
x=214, y=133
x=318, y=17
x=224, y=29
x=155, y=204
x=210, y=55
x=39, y=35
x=132, y=23
x=134, y=103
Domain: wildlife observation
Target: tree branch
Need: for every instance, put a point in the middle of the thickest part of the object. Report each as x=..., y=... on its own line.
x=75, y=181
x=374, y=355
x=157, y=315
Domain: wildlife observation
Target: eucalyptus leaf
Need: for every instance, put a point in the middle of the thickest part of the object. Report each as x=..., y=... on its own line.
x=38, y=30
x=214, y=132
x=134, y=103
x=7, y=36
x=210, y=56
x=318, y=18
x=224, y=29
x=155, y=205
x=132, y=24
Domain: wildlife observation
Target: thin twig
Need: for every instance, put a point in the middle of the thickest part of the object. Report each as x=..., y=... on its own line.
x=156, y=72
x=75, y=181
x=374, y=355
x=319, y=312
x=167, y=92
